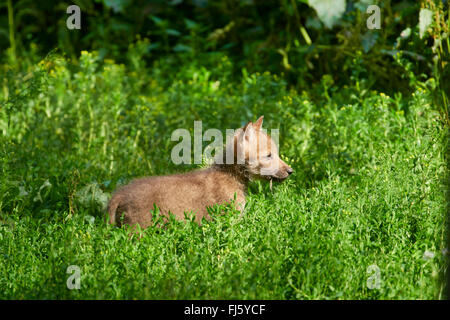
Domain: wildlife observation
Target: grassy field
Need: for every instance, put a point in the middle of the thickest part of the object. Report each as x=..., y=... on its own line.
x=365, y=201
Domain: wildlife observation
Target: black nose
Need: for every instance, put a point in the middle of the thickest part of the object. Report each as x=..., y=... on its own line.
x=290, y=170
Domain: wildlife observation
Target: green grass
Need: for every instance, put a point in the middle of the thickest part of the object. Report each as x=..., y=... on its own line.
x=367, y=188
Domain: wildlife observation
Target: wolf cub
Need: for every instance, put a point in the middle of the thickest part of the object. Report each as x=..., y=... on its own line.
x=253, y=155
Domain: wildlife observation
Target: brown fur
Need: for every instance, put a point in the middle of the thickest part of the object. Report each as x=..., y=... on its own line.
x=195, y=191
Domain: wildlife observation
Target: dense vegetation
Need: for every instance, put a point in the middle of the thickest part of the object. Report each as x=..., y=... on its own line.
x=363, y=120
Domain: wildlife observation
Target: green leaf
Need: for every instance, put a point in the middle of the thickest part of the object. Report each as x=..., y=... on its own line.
x=158, y=21
x=182, y=48
x=173, y=32
x=405, y=33
x=328, y=11
x=190, y=24
x=368, y=40
x=117, y=5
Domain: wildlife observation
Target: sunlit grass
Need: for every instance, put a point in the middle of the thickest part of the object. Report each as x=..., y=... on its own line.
x=367, y=189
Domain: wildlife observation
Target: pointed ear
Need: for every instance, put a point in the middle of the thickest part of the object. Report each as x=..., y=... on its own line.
x=249, y=131
x=246, y=126
x=258, y=124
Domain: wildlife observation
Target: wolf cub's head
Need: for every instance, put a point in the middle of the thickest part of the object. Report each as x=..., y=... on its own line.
x=254, y=149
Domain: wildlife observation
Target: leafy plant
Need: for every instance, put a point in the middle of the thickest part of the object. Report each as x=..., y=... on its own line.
x=366, y=189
